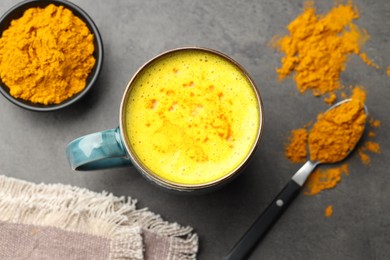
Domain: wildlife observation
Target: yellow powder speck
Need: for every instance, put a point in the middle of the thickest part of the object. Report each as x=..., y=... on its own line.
x=368, y=61
x=364, y=157
x=388, y=70
x=371, y=134
x=372, y=147
x=375, y=123
x=330, y=99
x=329, y=211
x=344, y=169
x=368, y=146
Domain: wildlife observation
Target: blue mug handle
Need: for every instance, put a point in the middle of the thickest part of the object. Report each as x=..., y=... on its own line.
x=100, y=150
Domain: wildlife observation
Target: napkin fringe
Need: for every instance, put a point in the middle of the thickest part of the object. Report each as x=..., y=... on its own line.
x=184, y=244
x=184, y=249
x=24, y=203
x=102, y=214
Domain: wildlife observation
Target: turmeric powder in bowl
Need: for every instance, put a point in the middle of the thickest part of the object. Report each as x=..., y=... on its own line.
x=50, y=54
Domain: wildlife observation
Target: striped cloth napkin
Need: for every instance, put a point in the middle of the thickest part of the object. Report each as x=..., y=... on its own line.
x=40, y=221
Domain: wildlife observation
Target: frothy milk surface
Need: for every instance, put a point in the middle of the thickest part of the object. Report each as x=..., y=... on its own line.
x=192, y=117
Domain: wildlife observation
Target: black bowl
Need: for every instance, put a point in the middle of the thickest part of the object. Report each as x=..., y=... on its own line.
x=16, y=12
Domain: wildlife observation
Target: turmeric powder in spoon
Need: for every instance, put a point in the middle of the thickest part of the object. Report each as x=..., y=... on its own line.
x=337, y=132
x=333, y=137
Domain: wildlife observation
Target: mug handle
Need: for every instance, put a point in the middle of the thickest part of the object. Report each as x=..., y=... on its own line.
x=100, y=150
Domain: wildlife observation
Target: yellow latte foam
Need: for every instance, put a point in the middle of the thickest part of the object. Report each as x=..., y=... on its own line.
x=192, y=117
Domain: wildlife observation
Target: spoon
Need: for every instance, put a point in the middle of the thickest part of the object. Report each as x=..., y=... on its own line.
x=274, y=210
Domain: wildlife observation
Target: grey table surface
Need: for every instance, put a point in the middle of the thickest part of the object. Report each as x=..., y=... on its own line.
x=32, y=145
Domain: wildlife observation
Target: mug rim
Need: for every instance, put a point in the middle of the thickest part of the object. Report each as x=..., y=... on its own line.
x=182, y=186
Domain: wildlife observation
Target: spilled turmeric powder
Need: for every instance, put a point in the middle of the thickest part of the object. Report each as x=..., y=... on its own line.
x=46, y=55
x=330, y=99
x=375, y=123
x=329, y=211
x=317, y=47
x=296, y=149
x=368, y=61
x=369, y=146
x=316, y=51
x=364, y=157
x=372, y=146
x=323, y=179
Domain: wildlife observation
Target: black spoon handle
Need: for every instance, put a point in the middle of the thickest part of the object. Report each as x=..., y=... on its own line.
x=264, y=222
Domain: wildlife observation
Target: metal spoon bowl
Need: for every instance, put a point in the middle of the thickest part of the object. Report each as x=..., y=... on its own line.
x=275, y=209
x=304, y=172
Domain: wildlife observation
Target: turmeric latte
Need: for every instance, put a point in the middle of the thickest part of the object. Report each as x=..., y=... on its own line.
x=46, y=55
x=337, y=132
x=192, y=117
